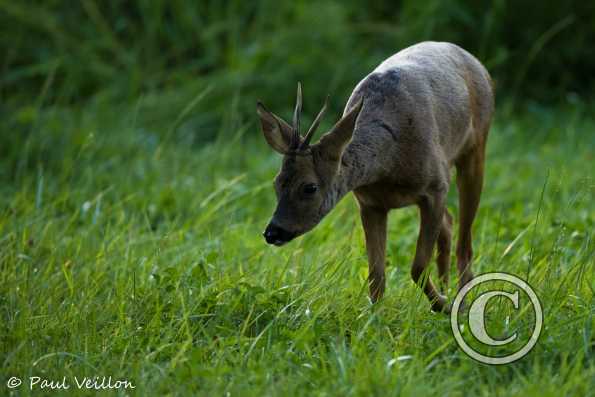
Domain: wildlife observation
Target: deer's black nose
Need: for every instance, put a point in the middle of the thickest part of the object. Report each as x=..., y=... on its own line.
x=274, y=234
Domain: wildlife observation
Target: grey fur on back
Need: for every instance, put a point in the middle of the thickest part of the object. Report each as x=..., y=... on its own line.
x=429, y=102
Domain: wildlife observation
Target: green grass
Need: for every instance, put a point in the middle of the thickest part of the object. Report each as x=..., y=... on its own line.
x=131, y=248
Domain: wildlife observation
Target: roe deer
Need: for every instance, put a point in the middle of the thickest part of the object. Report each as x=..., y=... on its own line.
x=421, y=111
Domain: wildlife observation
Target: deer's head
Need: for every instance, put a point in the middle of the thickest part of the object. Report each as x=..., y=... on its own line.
x=304, y=186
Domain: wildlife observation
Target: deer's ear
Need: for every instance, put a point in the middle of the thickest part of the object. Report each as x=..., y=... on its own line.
x=333, y=142
x=276, y=131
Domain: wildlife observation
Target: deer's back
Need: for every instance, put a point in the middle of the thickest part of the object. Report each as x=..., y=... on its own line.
x=429, y=100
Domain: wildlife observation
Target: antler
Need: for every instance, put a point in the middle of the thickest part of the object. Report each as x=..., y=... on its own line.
x=296, y=143
x=304, y=145
x=295, y=137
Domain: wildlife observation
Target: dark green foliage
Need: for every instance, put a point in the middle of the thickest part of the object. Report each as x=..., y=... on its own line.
x=543, y=49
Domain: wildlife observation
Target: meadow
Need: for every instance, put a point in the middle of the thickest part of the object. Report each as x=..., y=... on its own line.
x=135, y=188
x=142, y=258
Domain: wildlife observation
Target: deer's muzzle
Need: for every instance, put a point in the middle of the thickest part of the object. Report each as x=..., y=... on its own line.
x=276, y=235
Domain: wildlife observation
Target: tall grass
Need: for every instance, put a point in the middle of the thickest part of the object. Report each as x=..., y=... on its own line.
x=131, y=253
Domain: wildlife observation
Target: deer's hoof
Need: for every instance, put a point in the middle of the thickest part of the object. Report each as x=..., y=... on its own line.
x=439, y=305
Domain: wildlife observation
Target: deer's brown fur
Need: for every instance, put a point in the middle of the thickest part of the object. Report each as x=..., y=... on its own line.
x=419, y=113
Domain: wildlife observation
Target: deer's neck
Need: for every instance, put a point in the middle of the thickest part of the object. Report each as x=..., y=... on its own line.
x=354, y=172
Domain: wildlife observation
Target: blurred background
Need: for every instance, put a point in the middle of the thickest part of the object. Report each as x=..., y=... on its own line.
x=243, y=50
x=190, y=72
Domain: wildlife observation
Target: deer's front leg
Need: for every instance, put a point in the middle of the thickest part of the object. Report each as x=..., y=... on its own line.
x=374, y=223
x=432, y=212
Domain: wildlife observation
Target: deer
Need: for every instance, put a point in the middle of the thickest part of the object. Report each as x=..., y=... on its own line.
x=421, y=112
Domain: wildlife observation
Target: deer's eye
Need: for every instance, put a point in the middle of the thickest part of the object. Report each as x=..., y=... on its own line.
x=310, y=189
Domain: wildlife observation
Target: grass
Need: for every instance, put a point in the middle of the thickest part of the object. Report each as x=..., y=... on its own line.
x=131, y=248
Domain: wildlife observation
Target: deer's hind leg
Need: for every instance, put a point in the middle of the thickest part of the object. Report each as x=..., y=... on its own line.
x=444, y=245
x=470, y=170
